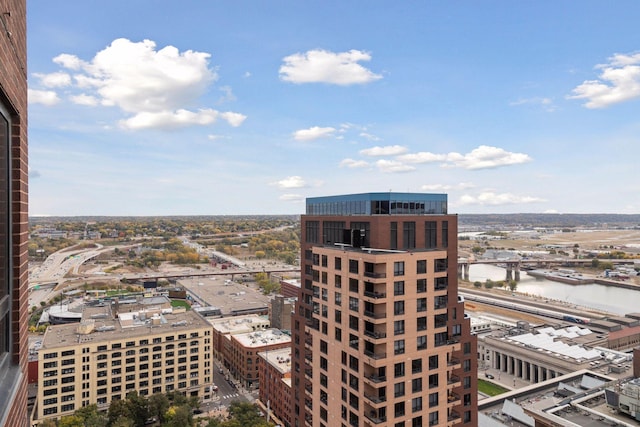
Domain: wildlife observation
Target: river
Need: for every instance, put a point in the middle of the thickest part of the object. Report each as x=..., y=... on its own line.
x=614, y=300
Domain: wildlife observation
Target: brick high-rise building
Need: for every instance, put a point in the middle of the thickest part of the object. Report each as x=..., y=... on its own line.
x=379, y=335
x=13, y=214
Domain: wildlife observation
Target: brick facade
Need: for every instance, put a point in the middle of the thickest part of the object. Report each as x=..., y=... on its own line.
x=13, y=97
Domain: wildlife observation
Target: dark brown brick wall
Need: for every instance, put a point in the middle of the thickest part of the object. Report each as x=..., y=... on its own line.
x=13, y=94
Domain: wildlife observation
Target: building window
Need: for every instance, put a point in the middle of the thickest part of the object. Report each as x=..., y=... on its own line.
x=398, y=347
x=312, y=231
x=430, y=235
x=398, y=308
x=398, y=370
x=398, y=327
x=398, y=288
x=416, y=366
x=398, y=389
x=433, y=419
x=398, y=268
x=416, y=385
x=409, y=235
x=433, y=400
x=421, y=342
x=393, y=240
x=421, y=266
x=441, y=265
x=399, y=409
x=338, y=263
x=445, y=234
x=416, y=404
x=6, y=266
x=433, y=381
x=421, y=285
x=421, y=324
x=433, y=362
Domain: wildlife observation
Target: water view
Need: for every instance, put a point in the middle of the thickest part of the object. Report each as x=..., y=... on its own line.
x=615, y=300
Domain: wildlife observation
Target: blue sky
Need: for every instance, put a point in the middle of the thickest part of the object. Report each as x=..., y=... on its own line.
x=151, y=107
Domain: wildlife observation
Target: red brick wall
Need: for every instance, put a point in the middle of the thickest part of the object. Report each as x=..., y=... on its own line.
x=13, y=93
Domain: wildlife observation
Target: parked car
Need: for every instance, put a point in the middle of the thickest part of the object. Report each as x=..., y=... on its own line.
x=489, y=376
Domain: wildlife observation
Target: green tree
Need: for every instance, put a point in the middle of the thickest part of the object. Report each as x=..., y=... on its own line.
x=70, y=421
x=477, y=284
x=513, y=285
x=91, y=417
x=488, y=284
x=158, y=405
x=118, y=409
x=138, y=408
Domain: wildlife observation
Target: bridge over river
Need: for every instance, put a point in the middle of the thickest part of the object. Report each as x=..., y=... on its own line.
x=513, y=266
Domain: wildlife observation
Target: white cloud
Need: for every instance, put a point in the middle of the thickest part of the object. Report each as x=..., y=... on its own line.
x=352, y=164
x=155, y=87
x=227, y=96
x=84, y=99
x=312, y=133
x=291, y=182
x=393, y=166
x=369, y=136
x=447, y=187
x=322, y=66
x=71, y=62
x=422, y=157
x=181, y=118
x=389, y=150
x=58, y=79
x=493, y=199
x=44, y=97
x=291, y=198
x=545, y=103
x=551, y=211
x=485, y=157
x=618, y=81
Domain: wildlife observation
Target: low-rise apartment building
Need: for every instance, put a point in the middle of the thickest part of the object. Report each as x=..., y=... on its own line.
x=274, y=368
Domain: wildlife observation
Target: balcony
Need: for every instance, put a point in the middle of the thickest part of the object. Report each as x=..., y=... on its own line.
x=375, y=399
x=453, y=418
x=375, y=335
x=375, y=295
x=453, y=381
x=375, y=378
x=374, y=275
x=376, y=355
x=374, y=315
x=453, y=400
x=454, y=362
x=374, y=418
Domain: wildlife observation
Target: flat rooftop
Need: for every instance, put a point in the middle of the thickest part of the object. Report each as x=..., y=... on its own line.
x=239, y=324
x=575, y=399
x=230, y=297
x=107, y=328
x=262, y=338
x=279, y=359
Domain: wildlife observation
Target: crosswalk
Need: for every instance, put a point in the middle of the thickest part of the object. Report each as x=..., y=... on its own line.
x=229, y=396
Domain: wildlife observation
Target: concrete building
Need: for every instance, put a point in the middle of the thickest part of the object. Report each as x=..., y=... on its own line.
x=243, y=360
x=280, y=311
x=379, y=335
x=275, y=385
x=105, y=357
x=14, y=309
x=540, y=354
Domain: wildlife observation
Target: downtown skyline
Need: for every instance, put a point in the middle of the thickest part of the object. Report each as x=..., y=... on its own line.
x=155, y=108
